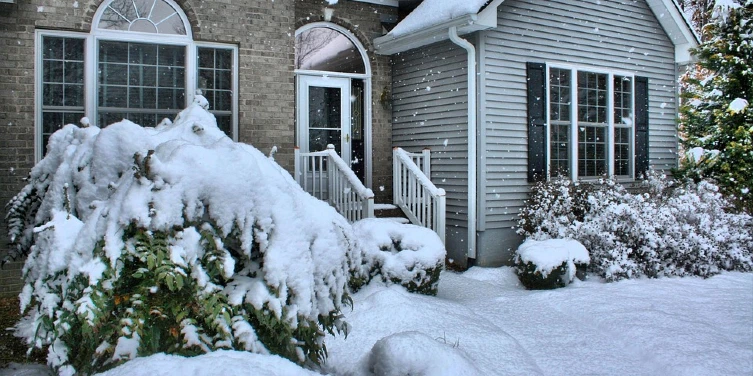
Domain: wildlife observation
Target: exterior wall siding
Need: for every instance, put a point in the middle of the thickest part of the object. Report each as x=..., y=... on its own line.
x=612, y=35
x=430, y=107
x=264, y=32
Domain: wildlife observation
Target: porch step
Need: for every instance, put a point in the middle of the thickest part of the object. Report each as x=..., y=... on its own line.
x=397, y=219
x=389, y=211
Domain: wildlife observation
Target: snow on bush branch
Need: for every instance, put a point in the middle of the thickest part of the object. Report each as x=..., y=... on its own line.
x=662, y=230
x=173, y=239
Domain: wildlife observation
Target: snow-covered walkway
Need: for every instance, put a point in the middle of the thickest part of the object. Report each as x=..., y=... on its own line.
x=669, y=326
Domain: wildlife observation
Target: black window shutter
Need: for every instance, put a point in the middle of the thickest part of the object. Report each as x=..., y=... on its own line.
x=537, y=102
x=641, y=126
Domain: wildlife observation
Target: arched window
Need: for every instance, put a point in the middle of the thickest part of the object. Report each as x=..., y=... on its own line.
x=139, y=63
x=326, y=49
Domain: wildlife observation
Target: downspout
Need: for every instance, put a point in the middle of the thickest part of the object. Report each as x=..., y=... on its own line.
x=453, y=33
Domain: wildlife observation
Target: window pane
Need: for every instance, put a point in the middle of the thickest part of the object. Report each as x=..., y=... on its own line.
x=62, y=83
x=623, y=122
x=146, y=84
x=559, y=92
x=559, y=121
x=215, y=78
x=592, y=97
x=324, y=108
x=52, y=121
x=559, y=149
x=225, y=123
x=623, y=90
x=592, y=148
x=622, y=151
x=326, y=49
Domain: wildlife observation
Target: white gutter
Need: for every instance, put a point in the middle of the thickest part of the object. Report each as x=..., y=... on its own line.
x=453, y=33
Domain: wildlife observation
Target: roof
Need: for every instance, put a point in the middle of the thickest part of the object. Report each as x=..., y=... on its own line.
x=429, y=22
x=433, y=12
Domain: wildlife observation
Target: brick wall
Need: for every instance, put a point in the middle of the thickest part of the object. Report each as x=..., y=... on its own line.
x=264, y=32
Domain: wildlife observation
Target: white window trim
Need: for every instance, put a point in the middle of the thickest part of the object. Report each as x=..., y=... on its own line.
x=573, y=140
x=91, y=62
x=186, y=25
x=366, y=77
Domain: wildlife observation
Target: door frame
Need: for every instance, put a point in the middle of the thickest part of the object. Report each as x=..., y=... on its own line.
x=366, y=77
x=304, y=82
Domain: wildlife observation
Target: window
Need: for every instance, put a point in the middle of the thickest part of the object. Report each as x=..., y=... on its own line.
x=590, y=127
x=138, y=63
x=62, y=83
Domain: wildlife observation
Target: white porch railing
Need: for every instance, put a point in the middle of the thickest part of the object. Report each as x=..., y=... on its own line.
x=413, y=192
x=327, y=177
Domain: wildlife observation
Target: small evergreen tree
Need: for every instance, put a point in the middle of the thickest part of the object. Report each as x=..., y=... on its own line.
x=716, y=119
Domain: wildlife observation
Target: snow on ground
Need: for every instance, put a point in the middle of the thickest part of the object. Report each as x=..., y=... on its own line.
x=668, y=326
x=484, y=319
x=223, y=362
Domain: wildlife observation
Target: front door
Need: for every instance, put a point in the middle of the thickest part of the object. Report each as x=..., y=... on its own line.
x=324, y=114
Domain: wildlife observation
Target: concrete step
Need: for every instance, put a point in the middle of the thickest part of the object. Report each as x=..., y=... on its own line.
x=388, y=211
x=396, y=219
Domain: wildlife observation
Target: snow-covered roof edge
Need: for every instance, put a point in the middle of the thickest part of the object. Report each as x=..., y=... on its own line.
x=483, y=18
x=668, y=13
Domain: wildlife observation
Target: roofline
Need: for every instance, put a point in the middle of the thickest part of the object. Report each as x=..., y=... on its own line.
x=485, y=19
x=668, y=13
x=388, y=44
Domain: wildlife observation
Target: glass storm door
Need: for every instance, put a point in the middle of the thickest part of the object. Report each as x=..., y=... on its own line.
x=324, y=114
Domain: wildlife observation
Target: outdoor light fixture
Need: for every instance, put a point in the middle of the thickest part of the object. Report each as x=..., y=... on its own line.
x=328, y=14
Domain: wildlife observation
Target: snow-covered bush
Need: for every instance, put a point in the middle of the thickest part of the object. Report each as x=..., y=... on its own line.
x=549, y=264
x=659, y=230
x=173, y=239
x=392, y=252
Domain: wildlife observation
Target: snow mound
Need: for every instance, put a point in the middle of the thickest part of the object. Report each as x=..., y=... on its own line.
x=219, y=363
x=415, y=353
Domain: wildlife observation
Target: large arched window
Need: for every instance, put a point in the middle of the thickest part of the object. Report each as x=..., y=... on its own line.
x=139, y=63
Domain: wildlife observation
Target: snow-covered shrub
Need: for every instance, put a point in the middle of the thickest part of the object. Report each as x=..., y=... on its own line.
x=415, y=353
x=173, y=239
x=549, y=264
x=659, y=230
x=392, y=252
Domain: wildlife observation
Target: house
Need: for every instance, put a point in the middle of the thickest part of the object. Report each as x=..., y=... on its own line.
x=580, y=88
x=298, y=75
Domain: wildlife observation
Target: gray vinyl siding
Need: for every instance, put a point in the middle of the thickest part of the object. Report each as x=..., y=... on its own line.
x=429, y=109
x=610, y=35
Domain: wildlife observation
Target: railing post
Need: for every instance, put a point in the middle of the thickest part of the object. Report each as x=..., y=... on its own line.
x=331, y=196
x=369, y=208
x=440, y=215
x=395, y=176
x=426, y=166
x=297, y=164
